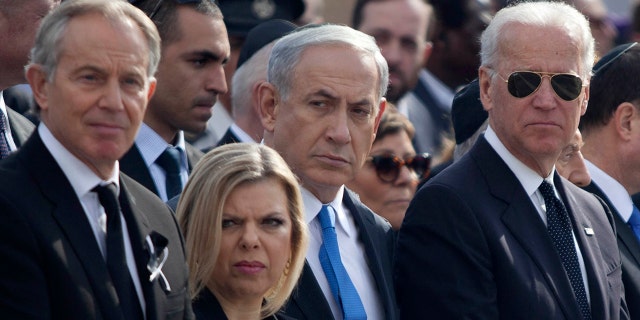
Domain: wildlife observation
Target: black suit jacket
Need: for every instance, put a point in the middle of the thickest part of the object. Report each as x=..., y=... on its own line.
x=229, y=137
x=308, y=301
x=134, y=166
x=630, y=255
x=472, y=245
x=52, y=267
x=21, y=127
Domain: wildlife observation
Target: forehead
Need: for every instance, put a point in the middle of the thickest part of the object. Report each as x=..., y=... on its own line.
x=401, y=18
x=550, y=49
x=199, y=29
x=349, y=71
x=94, y=37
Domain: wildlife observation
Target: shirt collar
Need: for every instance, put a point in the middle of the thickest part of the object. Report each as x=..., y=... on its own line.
x=152, y=145
x=82, y=179
x=529, y=179
x=312, y=207
x=241, y=134
x=615, y=192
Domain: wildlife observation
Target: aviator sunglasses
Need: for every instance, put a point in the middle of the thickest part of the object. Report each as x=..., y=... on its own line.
x=524, y=83
x=388, y=167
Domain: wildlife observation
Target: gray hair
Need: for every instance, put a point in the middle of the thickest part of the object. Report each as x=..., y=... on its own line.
x=46, y=50
x=286, y=53
x=249, y=73
x=553, y=14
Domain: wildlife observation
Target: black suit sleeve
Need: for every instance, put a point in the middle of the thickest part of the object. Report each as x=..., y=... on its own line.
x=442, y=264
x=23, y=289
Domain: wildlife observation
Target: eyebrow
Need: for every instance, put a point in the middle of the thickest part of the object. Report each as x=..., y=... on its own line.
x=209, y=55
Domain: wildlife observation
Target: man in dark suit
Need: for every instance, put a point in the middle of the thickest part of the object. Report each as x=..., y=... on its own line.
x=499, y=234
x=190, y=77
x=19, y=21
x=612, y=151
x=79, y=239
x=321, y=108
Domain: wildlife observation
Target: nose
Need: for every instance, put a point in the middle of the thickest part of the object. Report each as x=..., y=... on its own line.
x=249, y=239
x=112, y=96
x=580, y=175
x=216, y=80
x=391, y=52
x=545, y=97
x=338, y=127
x=406, y=177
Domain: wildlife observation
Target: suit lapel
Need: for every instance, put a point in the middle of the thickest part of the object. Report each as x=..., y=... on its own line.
x=308, y=296
x=134, y=166
x=21, y=127
x=523, y=220
x=138, y=227
x=69, y=214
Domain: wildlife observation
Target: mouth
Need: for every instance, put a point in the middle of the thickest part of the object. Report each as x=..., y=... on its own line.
x=106, y=128
x=249, y=267
x=333, y=160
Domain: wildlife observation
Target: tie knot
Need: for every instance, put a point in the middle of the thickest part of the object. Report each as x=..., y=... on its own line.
x=108, y=199
x=169, y=160
x=326, y=217
x=547, y=190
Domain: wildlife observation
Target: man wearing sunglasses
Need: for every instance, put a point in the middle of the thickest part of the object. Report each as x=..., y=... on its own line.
x=500, y=234
x=611, y=128
x=190, y=76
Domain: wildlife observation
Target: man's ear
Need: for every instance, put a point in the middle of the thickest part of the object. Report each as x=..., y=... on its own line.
x=383, y=106
x=268, y=99
x=623, y=118
x=37, y=79
x=152, y=88
x=484, y=80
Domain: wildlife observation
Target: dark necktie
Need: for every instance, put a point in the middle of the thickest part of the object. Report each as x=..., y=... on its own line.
x=559, y=226
x=634, y=222
x=342, y=288
x=169, y=160
x=116, y=259
x=4, y=144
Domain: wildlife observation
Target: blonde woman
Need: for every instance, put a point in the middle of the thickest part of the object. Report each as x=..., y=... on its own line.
x=242, y=217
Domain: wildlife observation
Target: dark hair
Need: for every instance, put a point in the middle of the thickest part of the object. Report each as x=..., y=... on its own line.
x=165, y=18
x=611, y=85
x=393, y=122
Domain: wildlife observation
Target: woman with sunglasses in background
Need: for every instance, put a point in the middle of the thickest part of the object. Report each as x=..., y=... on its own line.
x=389, y=178
x=242, y=217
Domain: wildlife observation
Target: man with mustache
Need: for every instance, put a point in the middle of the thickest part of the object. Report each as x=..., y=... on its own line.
x=190, y=76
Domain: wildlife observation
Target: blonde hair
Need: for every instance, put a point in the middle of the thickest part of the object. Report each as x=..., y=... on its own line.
x=199, y=213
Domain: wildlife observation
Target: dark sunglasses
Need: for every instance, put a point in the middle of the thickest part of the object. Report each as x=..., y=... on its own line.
x=388, y=166
x=524, y=83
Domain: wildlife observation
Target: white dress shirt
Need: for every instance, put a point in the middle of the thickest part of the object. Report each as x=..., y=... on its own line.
x=83, y=180
x=352, y=253
x=7, y=133
x=151, y=146
x=616, y=193
x=531, y=181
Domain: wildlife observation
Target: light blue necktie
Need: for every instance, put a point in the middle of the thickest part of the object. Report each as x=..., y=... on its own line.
x=342, y=288
x=634, y=222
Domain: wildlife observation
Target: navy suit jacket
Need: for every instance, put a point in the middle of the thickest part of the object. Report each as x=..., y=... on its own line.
x=308, y=300
x=472, y=245
x=630, y=255
x=52, y=267
x=134, y=166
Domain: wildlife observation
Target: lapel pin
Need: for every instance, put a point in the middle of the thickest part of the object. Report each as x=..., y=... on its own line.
x=588, y=231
